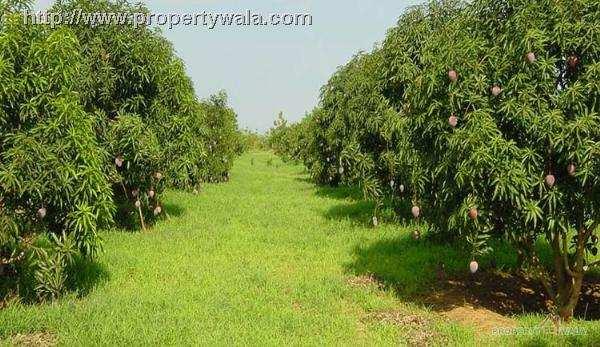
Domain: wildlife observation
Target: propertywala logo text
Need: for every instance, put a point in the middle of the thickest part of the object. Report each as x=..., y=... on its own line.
x=205, y=19
x=540, y=330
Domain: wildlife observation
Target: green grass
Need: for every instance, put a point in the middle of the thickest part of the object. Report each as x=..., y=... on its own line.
x=262, y=260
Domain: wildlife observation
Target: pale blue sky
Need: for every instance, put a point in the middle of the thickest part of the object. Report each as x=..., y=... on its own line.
x=270, y=69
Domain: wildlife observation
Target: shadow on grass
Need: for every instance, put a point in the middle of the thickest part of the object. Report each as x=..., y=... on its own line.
x=355, y=208
x=436, y=275
x=402, y=264
x=340, y=193
x=129, y=219
x=173, y=210
x=359, y=212
x=334, y=192
x=85, y=275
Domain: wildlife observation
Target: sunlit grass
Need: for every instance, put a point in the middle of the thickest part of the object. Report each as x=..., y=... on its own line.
x=262, y=260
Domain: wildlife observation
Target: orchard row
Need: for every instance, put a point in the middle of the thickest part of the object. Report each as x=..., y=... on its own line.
x=481, y=119
x=95, y=123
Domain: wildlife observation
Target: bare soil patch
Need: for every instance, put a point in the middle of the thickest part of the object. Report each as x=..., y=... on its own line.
x=488, y=299
x=418, y=329
x=33, y=340
x=364, y=281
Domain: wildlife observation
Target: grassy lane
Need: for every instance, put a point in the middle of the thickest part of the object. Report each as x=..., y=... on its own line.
x=263, y=260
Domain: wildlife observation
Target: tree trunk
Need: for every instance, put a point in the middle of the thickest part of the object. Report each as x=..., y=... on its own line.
x=567, y=300
x=569, y=276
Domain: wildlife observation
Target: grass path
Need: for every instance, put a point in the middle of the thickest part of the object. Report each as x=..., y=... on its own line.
x=262, y=260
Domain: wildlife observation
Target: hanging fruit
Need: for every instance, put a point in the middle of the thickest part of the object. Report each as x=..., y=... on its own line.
x=157, y=210
x=573, y=61
x=119, y=161
x=151, y=193
x=453, y=75
x=416, y=211
x=550, y=180
x=571, y=169
x=496, y=90
x=473, y=213
x=402, y=188
x=530, y=57
x=41, y=213
x=138, y=204
x=453, y=121
x=375, y=221
x=474, y=266
x=135, y=193
x=158, y=176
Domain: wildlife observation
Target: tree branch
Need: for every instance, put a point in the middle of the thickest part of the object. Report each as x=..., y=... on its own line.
x=544, y=277
x=536, y=265
x=591, y=230
x=565, y=255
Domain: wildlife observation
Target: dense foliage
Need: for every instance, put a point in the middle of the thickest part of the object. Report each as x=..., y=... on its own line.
x=484, y=117
x=222, y=138
x=251, y=140
x=287, y=140
x=94, y=124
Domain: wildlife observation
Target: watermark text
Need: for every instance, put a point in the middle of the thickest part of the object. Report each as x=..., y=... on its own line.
x=210, y=20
